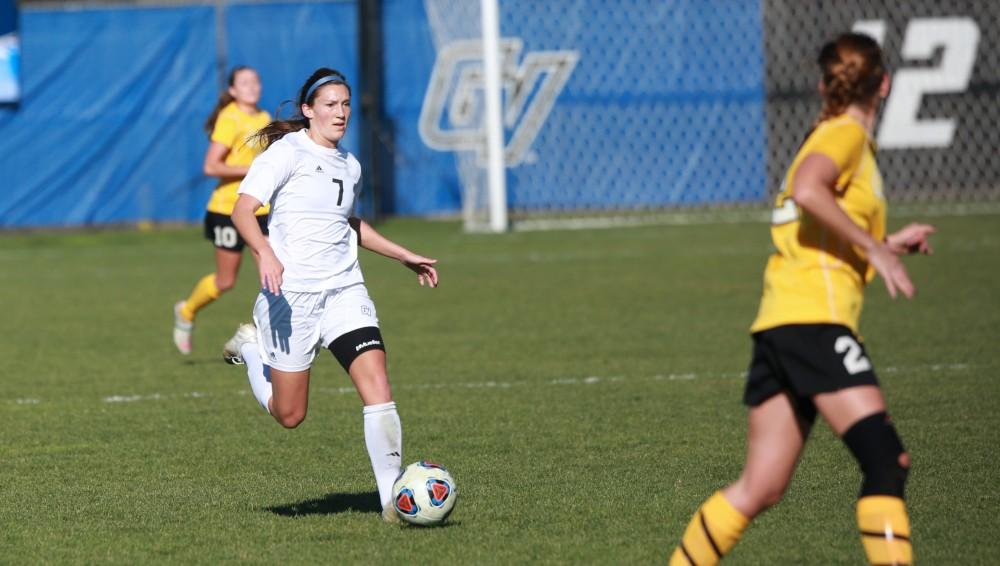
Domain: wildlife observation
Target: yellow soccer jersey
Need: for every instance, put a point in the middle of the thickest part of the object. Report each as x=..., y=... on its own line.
x=233, y=129
x=814, y=276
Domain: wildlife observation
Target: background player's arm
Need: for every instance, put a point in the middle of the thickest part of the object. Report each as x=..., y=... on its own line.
x=370, y=239
x=215, y=163
x=813, y=189
x=245, y=220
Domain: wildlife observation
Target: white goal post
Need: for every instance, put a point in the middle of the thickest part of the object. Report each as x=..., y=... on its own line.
x=496, y=177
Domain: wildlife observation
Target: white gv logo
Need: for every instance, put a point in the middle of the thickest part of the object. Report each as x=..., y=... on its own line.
x=452, y=117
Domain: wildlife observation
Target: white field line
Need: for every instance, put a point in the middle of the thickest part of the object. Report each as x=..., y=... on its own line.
x=931, y=367
x=153, y=397
x=558, y=382
x=750, y=214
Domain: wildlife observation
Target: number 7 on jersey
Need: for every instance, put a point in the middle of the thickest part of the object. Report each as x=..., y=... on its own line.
x=340, y=194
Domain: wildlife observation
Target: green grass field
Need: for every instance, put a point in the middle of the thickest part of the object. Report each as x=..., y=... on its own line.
x=583, y=387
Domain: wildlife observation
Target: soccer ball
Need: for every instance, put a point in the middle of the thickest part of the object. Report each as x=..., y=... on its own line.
x=424, y=494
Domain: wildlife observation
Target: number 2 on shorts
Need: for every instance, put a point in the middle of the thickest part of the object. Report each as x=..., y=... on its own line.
x=854, y=361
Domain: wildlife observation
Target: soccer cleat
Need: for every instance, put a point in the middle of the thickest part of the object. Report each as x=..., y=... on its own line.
x=245, y=334
x=389, y=515
x=182, y=329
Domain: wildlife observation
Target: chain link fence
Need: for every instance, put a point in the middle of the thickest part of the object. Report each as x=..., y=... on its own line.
x=939, y=130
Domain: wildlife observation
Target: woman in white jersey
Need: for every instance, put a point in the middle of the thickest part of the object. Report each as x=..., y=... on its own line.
x=313, y=294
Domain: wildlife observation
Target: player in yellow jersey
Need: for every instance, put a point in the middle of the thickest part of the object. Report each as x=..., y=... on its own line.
x=828, y=227
x=232, y=124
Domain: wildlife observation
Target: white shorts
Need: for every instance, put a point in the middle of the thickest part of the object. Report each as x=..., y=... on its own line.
x=292, y=327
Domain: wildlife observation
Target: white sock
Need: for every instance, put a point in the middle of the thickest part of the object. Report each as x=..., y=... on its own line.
x=257, y=372
x=384, y=439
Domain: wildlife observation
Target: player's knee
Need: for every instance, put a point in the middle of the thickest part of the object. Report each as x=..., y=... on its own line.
x=757, y=495
x=883, y=460
x=290, y=421
x=769, y=495
x=290, y=418
x=224, y=284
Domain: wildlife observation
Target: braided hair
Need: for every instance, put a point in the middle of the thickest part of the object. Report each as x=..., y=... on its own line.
x=852, y=68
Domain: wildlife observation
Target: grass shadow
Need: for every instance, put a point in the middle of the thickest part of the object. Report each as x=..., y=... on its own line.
x=330, y=504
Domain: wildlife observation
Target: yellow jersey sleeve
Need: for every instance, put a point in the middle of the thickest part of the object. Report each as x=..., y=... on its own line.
x=225, y=130
x=844, y=142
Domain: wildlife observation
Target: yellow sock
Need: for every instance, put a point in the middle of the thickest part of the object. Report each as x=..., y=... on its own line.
x=203, y=294
x=885, y=530
x=713, y=531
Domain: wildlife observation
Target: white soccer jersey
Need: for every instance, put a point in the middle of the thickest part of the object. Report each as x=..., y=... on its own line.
x=311, y=190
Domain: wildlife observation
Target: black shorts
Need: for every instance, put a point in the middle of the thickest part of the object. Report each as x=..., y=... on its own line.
x=806, y=360
x=220, y=230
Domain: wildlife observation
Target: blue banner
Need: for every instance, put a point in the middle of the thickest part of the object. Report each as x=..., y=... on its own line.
x=607, y=105
x=660, y=105
x=109, y=127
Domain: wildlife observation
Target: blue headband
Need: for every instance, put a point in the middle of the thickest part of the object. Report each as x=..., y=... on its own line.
x=321, y=82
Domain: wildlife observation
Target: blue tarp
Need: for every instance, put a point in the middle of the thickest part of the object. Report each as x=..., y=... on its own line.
x=663, y=107
x=109, y=126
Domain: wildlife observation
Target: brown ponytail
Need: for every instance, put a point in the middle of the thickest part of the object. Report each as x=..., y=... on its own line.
x=307, y=95
x=224, y=99
x=852, y=70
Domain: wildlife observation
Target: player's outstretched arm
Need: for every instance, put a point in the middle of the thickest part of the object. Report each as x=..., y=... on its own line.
x=813, y=190
x=370, y=239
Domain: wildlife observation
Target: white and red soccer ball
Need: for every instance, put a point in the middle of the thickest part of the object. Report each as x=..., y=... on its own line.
x=424, y=494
